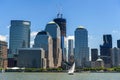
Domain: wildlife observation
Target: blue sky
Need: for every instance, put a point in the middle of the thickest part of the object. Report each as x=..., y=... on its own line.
x=97, y=16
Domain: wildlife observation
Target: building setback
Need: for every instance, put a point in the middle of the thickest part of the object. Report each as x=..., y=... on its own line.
x=44, y=40
x=3, y=54
x=105, y=50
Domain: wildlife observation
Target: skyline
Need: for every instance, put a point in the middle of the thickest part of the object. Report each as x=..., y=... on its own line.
x=98, y=17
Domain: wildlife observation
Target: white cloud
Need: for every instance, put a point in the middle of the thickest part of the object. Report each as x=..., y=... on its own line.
x=33, y=34
x=3, y=38
x=70, y=37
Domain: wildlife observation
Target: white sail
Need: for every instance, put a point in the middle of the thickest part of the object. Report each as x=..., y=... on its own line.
x=72, y=69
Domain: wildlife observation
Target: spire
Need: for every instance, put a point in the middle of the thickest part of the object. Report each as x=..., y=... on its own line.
x=59, y=15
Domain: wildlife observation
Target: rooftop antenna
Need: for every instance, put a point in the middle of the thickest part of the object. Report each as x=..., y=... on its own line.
x=59, y=15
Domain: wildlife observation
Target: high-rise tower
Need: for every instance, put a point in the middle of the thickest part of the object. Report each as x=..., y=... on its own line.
x=54, y=30
x=70, y=51
x=118, y=43
x=44, y=40
x=62, y=24
x=94, y=54
x=19, y=35
x=81, y=47
x=105, y=50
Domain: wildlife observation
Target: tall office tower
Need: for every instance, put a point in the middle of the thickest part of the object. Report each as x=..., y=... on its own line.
x=94, y=54
x=70, y=51
x=118, y=43
x=115, y=57
x=19, y=35
x=44, y=40
x=53, y=29
x=105, y=50
x=3, y=54
x=62, y=24
x=81, y=47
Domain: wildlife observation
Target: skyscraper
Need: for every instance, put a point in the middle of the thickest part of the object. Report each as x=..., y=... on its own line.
x=81, y=47
x=44, y=40
x=62, y=24
x=54, y=30
x=70, y=50
x=105, y=50
x=94, y=54
x=19, y=35
x=118, y=43
x=115, y=57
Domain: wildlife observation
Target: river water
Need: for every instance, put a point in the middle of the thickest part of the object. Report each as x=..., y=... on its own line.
x=59, y=76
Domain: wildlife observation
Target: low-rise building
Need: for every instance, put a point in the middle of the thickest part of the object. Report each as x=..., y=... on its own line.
x=31, y=58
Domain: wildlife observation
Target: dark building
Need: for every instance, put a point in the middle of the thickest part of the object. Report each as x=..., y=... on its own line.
x=105, y=50
x=94, y=54
x=3, y=54
x=118, y=43
x=62, y=24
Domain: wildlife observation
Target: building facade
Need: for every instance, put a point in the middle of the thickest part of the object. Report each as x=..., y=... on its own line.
x=118, y=43
x=81, y=47
x=70, y=51
x=44, y=40
x=105, y=50
x=31, y=58
x=115, y=57
x=3, y=54
x=62, y=24
x=54, y=30
x=94, y=54
x=19, y=35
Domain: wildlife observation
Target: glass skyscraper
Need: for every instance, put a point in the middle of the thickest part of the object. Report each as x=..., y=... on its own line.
x=81, y=47
x=44, y=40
x=105, y=50
x=62, y=24
x=19, y=35
x=118, y=43
x=70, y=50
x=54, y=30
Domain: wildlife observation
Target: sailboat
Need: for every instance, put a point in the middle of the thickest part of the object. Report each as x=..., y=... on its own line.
x=72, y=69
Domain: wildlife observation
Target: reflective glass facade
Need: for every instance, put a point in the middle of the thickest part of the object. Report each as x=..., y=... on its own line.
x=19, y=35
x=54, y=30
x=44, y=40
x=81, y=47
